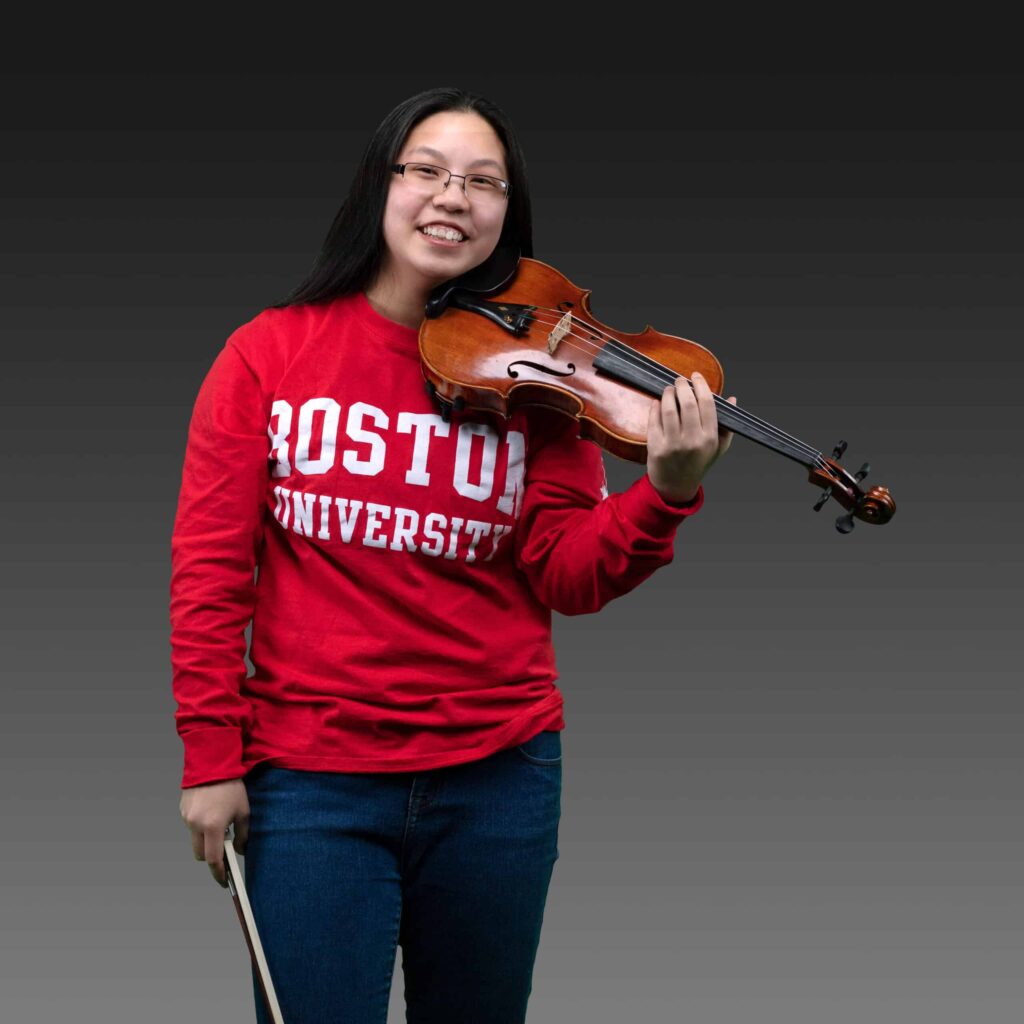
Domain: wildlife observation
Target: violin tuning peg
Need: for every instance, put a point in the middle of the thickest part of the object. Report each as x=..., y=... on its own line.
x=837, y=452
x=862, y=472
x=825, y=494
x=844, y=524
x=459, y=403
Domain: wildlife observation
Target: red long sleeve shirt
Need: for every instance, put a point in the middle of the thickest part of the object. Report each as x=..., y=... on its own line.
x=399, y=571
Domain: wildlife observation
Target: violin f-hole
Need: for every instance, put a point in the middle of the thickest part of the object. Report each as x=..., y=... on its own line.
x=542, y=369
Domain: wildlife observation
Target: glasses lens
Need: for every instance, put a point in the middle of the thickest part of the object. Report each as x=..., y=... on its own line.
x=485, y=187
x=426, y=177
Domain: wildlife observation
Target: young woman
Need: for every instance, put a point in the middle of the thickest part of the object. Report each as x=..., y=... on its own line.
x=393, y=767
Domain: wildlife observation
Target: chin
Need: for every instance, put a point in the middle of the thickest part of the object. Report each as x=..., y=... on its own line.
x=445, y=270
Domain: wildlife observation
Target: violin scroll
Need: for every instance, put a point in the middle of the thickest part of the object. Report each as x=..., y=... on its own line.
x=875, y=506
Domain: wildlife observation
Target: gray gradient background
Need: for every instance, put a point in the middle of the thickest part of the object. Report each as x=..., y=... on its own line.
x=793, y=763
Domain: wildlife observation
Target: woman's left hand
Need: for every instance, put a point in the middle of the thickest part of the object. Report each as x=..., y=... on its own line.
x=684, y=439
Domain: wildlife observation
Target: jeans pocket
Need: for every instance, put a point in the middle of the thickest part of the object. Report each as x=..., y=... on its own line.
x=543, y=748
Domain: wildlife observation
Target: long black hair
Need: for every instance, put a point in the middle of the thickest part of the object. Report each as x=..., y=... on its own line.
x=353, y=250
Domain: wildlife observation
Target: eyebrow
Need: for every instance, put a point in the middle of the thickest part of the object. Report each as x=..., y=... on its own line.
x=440, y=156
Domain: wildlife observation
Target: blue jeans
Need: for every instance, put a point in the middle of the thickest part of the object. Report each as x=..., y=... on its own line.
x=453, y=864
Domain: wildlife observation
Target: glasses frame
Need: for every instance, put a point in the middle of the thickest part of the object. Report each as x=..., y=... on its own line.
x=400, y=169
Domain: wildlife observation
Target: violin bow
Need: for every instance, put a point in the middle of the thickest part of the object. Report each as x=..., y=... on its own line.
x=236, y=884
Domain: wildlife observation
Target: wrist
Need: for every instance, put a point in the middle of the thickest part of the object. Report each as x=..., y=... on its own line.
x=685, y=496
x=681, y=502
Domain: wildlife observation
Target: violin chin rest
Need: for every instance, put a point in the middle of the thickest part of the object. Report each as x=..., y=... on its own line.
x=490, y=276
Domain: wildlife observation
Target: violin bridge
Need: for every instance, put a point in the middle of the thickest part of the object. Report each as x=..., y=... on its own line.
x=561, y=329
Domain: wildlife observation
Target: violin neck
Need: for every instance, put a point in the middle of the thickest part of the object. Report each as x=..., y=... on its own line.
x=626, y=364
x=756, y=429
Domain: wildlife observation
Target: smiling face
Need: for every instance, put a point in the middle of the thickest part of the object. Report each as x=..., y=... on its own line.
x=415, y=263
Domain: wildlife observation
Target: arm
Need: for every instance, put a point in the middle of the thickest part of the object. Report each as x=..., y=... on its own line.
x=578, y=545
x=214, y=549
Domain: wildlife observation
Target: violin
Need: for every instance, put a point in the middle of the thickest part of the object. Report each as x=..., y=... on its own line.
x=516, y=332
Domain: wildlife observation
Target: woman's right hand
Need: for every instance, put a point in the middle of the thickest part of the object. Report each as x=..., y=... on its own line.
x=207, y=811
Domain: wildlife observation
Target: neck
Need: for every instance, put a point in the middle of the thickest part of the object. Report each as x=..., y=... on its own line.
x=403, y=304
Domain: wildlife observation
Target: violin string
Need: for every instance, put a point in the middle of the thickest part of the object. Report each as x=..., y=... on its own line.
x=669, y=377
x=643, y=364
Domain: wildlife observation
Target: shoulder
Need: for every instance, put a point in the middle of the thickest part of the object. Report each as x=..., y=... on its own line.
x=271, y=328
x=270, y=341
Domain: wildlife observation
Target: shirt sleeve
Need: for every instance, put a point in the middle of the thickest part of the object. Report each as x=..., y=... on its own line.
x=578, y=545
x=215, y=544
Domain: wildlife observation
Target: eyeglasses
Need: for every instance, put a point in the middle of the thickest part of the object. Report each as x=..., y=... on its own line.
x=432, y=180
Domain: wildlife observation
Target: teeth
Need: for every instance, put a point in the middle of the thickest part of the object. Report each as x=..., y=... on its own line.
x=439, y=232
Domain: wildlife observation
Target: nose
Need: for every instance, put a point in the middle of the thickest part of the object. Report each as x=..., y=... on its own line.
x=454, y=196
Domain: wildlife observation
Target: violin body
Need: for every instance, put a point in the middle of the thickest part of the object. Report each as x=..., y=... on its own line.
x=516, y=332
x=467, y=356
